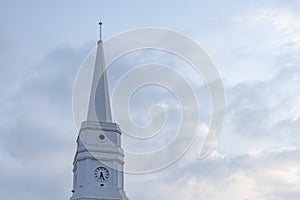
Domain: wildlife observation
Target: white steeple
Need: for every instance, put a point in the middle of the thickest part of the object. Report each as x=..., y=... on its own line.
x=99, y=159
x=99, y=104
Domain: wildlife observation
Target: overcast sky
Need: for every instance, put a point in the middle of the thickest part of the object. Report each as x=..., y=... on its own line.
x=255, y=46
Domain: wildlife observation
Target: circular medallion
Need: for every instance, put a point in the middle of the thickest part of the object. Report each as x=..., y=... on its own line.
x=101, y=137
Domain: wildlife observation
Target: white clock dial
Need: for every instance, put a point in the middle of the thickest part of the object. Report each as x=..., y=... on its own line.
x=101, y=174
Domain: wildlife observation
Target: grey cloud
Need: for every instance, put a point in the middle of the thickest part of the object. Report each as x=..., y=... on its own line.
x=243, y=177
x=38, y=135
x=264, y=109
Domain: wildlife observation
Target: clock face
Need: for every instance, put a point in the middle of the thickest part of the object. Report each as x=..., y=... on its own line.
x=101, y=174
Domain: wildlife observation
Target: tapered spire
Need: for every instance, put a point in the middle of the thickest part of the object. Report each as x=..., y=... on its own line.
x=99, y=104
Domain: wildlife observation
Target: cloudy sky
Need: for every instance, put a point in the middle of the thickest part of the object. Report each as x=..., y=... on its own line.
x=255, y=46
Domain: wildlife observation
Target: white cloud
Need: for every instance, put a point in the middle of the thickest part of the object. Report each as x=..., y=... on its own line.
x=261, y=175
x=283, y=21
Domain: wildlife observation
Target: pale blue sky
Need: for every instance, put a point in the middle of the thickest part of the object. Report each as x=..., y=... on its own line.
x=254, y=44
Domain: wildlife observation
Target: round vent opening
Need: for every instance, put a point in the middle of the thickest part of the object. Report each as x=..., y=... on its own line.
x=101, y=137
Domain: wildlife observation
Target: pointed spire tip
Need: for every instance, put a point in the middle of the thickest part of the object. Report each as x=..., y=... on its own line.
x=100, y=26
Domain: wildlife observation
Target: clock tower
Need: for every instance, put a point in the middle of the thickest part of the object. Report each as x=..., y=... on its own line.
x=99, y=159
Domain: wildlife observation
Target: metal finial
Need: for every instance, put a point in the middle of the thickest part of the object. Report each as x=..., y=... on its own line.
x=100, y=24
